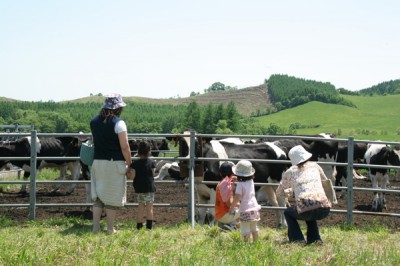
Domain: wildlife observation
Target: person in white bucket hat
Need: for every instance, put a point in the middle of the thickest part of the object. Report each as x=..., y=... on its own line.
x=303, y=179
x=246, y=195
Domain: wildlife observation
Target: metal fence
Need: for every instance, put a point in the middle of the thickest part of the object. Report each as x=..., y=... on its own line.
x=32, y=205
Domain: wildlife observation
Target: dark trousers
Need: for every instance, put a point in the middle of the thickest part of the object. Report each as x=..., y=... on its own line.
x=310, y=217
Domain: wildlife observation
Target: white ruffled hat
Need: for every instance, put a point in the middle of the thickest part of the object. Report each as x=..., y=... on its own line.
x=298, y=154
x=243, y=168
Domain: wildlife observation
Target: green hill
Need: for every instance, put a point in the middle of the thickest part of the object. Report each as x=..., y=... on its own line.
x=375, y=118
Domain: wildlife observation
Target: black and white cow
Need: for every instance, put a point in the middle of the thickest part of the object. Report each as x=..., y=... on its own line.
x=380, y=154
x=167, y=168
x=359, y=150
x=324, y=150
x=157, y=146
x=47, y=147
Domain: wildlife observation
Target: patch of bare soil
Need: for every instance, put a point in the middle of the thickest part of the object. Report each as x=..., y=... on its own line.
x=177, y=194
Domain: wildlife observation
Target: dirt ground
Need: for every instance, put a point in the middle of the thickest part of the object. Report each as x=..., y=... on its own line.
x=178, y=194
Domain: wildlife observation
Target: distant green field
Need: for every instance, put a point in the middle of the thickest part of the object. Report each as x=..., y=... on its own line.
x=375, y=118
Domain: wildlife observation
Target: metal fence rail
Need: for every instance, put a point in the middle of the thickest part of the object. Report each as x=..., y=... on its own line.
x=192, y=159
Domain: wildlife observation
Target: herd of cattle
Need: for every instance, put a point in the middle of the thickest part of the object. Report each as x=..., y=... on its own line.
x=269, y=158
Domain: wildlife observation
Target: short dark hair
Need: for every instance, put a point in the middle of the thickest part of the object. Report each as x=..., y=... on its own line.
x=226, y=169
x=144, y=148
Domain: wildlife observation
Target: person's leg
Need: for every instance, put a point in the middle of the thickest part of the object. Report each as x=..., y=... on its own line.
x=98, y=206
x=312, y=232
x=111, y=213
x=149, y=211
x=97, y=211
x=245, y=231
x=139, y=217
x=149, y=215
x=294, y=231
x=311, y=218
x=254, y=230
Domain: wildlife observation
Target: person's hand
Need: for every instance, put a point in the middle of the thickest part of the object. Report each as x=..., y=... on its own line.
x=129, y=173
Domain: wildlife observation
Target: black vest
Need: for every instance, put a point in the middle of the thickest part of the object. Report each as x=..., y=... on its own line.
x=106, y=142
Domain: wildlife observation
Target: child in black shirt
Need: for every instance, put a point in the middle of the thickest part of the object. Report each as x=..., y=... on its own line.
x=143, y=172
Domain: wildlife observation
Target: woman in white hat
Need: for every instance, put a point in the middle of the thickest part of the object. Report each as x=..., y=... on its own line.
x=303, y=179
x=245, y=193
x=112, y=158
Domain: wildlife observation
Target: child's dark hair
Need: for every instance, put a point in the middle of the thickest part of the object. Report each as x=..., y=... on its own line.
x=245, y=178
x=144, y=148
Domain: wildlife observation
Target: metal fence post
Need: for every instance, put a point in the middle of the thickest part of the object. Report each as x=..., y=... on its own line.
x=191, y=177
x=350, y=156
x=32, y=184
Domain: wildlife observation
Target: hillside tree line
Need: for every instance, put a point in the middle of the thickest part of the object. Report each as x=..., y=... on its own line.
x=288, y=92
x=52, y=117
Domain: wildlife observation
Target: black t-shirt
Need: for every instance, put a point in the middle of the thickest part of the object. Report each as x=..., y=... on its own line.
x=144, y=180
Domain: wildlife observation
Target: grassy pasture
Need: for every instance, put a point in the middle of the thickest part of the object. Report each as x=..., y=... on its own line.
x=44, y=174
x=69, y=241
x=375, y=118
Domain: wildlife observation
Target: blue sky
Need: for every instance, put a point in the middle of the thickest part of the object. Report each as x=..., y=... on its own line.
x=63, y=50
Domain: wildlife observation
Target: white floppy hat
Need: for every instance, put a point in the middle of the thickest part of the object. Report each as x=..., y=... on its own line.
x=298, y=154
x=243, y=168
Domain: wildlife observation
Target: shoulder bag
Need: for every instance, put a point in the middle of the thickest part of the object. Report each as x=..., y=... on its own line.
x=87, y=153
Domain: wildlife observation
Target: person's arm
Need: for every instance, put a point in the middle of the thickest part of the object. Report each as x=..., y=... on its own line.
x=284, y=185
x=235, y=202
x=133, y=173
x=229, y=203
x=322, y=173
x=126, y=150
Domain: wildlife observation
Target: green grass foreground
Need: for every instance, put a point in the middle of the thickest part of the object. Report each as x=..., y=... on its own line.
x=70, y=242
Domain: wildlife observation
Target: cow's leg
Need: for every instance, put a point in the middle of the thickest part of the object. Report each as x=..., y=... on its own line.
x=63, y=174
x=85, y=171
x=281, y=217
x=203, y=195
x=75, y=168
x=385, y=179
x=88, y=188
x=211, y=211
x=376, y=196
x=202, y=211
x=343, y=192
x=269, y=191
x=396, y=175
x=26, y=177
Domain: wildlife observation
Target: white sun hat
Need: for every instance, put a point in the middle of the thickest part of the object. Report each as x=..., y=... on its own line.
x=243, y=168
x=298, y=154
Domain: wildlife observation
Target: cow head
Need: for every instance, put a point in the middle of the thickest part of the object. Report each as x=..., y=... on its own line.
x=184, y=151
x=394, y=156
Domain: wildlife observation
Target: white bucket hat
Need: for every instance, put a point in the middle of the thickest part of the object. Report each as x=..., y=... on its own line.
x=243, y=168
x=298, y=154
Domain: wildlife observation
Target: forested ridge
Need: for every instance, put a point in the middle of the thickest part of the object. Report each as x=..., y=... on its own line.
x=287, y=92
x=54, y=117
x=224, y=110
